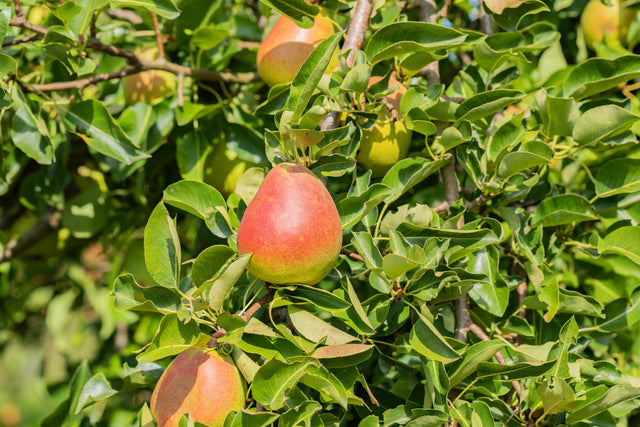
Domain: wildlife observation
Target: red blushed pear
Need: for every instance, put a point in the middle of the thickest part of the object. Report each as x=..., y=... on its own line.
x=200, y=382
x=291, y=227
x=287, y=46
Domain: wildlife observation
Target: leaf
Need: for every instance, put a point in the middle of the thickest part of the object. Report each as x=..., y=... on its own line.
x=484, y=104
x=320, y=298
x=306, y=81
x=557, y=396
x=343, y=355
x=136, y=121
x=562, y=209
x=597, y=75
x=516, y=371
x=95, y=390
x=200, y=200
x=275, y=379
x=613, y=396
x=67, y=407
x=164, y=8
x=162, y=248
x=507, y=134
x=172, y=337
x=208, y=37
x=498, y=6
x=559, y=115
x=254, y=419
x=30, y=134
x=131, y=296
x=620, y=314
x=209, y=262
x=403, y=38
x=492, y=296
x=86, y=213
x=623, y=241
x=221, y=285
x=467, y=365
x=315, y=329
x=600, y=123
x=407, y=173
x=104, y=134
x=298, y=11
x=427, y=340
x=531, y=155
x=353, y=208
x=618, y=176
x=5, y=17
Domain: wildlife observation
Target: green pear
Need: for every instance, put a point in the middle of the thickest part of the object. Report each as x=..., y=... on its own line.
x=200, y=382
x=223, y=167
x=150, y=86
x=286, y=47
x=291, y=227
x=598, y=20
x=384, y=144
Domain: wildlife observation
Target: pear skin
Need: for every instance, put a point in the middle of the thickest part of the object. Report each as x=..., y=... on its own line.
x=286, y=47
x=200, y=382
x=150, y=86
x=291, y=227
x=598, y=20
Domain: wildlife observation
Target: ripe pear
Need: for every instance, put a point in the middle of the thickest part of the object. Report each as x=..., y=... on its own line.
x=384, y=144
x=223, y=167
x=200, y=382
x=291, y=227
x=599, y=20
x=287, y=46
x=150, y=86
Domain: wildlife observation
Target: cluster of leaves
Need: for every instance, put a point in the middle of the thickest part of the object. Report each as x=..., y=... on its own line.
x=543, y=242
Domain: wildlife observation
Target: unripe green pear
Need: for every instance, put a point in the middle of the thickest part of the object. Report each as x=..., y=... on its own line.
x=38, y=14
x=150, y=86
x=223, y=167
x=291, y=227
x=599, y=20
x=287, y=46
x=200, y=382
x=384, y=144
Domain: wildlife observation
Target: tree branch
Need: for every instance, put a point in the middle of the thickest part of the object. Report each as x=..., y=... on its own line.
x=159, y=43
x=357, y=29
x=49, y=222
x=352, y=255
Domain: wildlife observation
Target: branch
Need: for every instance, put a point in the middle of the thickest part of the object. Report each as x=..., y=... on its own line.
x=357, y=29
x=42, y=227
x=80, y=83
x=478, y=201
x=478, y=332
x=124, y=14
x=352, y=255
x=26, y=39
x=18, y=8
x=156, y=28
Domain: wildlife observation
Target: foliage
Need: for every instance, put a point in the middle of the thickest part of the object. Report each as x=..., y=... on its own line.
x=117, y=255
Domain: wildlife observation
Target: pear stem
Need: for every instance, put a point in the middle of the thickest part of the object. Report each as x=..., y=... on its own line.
x=156, y=28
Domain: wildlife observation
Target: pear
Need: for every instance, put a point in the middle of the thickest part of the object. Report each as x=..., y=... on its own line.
x=393, y=98
x=291, y=227
x=599, y=20
x=199, y=382
x=223, y=167
x=286, y=47
x=150, y=86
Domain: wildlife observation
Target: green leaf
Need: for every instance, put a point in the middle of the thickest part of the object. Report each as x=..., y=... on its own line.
x=493, y=295
x=172, y=337
x=67, y=407
x=557, y=396
x=275, y=379
x=618, y=176
x=516, y=371
x=30, y=134
x=202, y=201
x=559, y=115
x=427, y=340
x=615, y=395
x=357, y=79
x=101, y=132
x=601, y=123
x=164, y=8
x=8, y=65
x=162, y=253
x=244, y=418
x=136, y=121
x=623, y=241
x=95, y=390
x=343, y=355
x=5, y=17
x=306, y=81
x=403, y=38
x=208, y=37
x=299, y=11
x=562, y=209
x=209, y=262
x=483, y=105
x=532, y=154
x=320, y=298
x=507, y=134
x=597, y=75
x=468, y=364
x=315, y=329
x=131, y=296
x=353, y=208
x=407, y=173
x=86, y=214
x=219, y=287
x=620, y=314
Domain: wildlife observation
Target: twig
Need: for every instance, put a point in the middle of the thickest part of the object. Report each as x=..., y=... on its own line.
x=14, y=247
x=478, y=201
x=357, y=29
x=18, y=8
x=478, y=332
x=80, y=83
x=26, y=39
x=180, y=90
x=156, y=28
x=352, y=255
x=125, y=15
